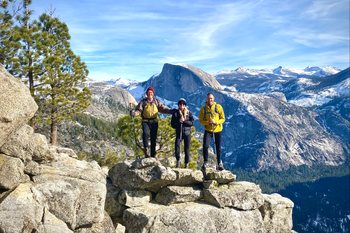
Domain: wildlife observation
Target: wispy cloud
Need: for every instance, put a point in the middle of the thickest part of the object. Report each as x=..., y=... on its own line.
x=133, y=39
x=325, y=8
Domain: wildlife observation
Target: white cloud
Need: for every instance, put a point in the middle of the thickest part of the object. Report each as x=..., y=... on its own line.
x=313, y=39
x=325, y=8
x=134, y=39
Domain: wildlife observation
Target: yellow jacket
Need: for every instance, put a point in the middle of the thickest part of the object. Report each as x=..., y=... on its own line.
x=218, y=116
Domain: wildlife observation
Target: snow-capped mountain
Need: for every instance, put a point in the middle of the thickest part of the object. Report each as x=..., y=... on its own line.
x=124, y=83
x=313, y=92
x=280, y=72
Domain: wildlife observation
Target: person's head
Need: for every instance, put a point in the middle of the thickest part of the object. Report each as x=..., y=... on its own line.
x=210, y=99
x=150, y=93
x=181, y=104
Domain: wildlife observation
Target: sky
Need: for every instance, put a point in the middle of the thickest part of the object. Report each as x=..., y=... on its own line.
x=134, y=39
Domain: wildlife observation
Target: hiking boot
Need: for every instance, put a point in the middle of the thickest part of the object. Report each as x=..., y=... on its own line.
x=205, y=165
x=186, y=165
x=220, y=167
x=147, y=153
x=178, y=165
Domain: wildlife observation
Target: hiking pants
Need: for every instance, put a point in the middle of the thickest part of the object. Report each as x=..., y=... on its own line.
x=147, y=129
x=187, y=141
x=206, y=141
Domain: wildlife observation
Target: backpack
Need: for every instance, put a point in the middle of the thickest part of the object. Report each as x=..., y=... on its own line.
x=150, y=112
x=205, y=111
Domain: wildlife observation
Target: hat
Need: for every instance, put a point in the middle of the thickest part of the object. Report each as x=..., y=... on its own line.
x=181, y=100
x=150, y=88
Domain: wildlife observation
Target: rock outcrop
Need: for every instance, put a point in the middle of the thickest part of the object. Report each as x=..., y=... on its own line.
x=184, y=79
x=16, y=107
x=56, y=193
x=43, y=188
x=108, y=101
x=144, y=196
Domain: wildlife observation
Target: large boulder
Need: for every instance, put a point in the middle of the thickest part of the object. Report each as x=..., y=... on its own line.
x=241, y=195
x=16, y=105
x=105, y=226
x=112, y=205
x=75, y=191
x=222, y=177
x=27, y=145
x=134, y=198
x=65, y=195
x=187, y=177
x=146, y=174
x=277, y=213
x=177, y=194
x=20, y=211
x=191, y=217
x=11, y=172
x=50, y=223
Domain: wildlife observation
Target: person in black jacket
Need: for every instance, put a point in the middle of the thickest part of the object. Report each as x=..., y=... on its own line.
x=182, y=120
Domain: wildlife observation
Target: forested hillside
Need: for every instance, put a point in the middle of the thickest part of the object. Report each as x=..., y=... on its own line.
x=320, y=194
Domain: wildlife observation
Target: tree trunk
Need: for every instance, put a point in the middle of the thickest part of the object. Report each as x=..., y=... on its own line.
x=54, y=126
x=30, y=74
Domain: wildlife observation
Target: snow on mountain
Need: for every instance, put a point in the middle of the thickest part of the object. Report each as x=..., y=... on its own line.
x=282, y=71
x=310, y=98
x=312, y=69
x=137, y=91
x=331, y=70
x=121, y=82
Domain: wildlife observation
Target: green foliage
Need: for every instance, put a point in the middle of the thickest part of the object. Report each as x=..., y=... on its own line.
x=9, y=36
x=39, y=52
x=64, y=72
x=273, y=181
x=104, y=130
x=82, y=155
x=109, y=160
x=130, y=132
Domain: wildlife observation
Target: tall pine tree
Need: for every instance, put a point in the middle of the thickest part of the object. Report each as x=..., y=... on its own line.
x=64, y=73
x=9, y=37
x=28, y=66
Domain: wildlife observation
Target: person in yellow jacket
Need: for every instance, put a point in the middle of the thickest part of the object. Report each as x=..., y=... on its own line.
x=211, y=115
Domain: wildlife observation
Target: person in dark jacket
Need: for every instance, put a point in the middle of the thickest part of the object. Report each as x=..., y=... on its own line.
x=182, y=120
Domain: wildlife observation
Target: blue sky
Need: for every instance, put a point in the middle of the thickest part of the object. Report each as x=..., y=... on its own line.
x=133, y=39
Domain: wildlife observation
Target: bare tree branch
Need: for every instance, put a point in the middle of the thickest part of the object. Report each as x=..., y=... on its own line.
x=15, y=9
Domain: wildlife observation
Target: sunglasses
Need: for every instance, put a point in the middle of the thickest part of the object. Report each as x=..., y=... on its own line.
x=182, y=104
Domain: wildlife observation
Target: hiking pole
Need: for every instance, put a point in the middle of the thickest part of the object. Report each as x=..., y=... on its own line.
x=132, y=108
x=180, y=141
x=212, y=128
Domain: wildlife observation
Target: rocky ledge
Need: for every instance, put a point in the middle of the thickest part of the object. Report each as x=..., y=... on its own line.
x=145, y=196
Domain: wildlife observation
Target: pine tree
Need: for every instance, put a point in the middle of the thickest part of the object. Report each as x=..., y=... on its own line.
x=165, y=138
x=9, y=37
x=28, y=66
x=64, y=72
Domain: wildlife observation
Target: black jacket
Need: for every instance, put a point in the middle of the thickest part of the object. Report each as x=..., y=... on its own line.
x=186, y=125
